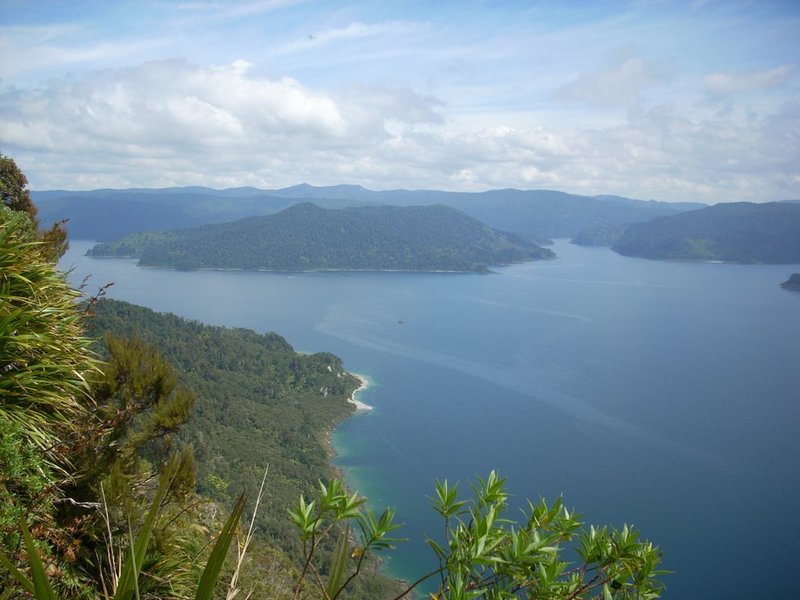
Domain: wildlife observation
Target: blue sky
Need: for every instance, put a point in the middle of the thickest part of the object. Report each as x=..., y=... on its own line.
x=667, y=100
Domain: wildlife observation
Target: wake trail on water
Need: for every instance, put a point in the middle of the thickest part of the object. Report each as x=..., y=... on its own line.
x=570, y=405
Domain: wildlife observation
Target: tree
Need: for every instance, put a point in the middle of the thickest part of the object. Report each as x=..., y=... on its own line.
x=14, y=189
x=86, y=446
x=16, y=196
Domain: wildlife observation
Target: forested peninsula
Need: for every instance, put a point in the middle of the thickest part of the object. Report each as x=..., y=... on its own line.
x=740, y=232
x=306, y=237
x=258, y=404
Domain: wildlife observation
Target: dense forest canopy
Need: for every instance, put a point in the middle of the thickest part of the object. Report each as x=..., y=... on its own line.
x=306, y=237
x=740, y=232
x=258, y=402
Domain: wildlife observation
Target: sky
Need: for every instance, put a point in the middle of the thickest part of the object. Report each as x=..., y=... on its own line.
x=653, y=99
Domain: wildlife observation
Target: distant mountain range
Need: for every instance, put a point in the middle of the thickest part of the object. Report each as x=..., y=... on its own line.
x=740, y=232
x=538, y=215
x=306, y=237
x=743, y=232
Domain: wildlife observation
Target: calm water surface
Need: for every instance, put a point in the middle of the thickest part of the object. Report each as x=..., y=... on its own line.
x=661, y=394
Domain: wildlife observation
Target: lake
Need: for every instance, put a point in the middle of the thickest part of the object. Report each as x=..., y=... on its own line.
x=662, y=394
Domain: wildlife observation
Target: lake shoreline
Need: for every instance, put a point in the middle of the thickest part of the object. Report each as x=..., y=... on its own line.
x=353, y=399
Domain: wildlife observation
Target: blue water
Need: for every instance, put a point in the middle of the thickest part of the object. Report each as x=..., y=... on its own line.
x=661, y=394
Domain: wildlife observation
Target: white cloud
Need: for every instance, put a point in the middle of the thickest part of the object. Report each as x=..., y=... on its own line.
x=172, y=123
x=658, y=153
x=620, y=82
x=169, y=104
x=383, y=104
x=731, y=82
x=355, y=30
x=357, y=42
x=468, y=96
x=219, y=122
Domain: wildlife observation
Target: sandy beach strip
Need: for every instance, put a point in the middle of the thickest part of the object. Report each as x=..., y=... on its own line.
x=364, y=384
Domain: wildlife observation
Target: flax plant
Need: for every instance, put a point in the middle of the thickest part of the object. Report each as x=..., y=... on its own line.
x=125, y=583
x=44, y=356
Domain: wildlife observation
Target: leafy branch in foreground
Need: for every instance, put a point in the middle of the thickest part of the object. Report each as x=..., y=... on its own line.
x=317, y=520
x=483, y=554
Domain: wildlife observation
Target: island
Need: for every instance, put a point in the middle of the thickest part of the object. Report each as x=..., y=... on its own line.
x=306, y=237
x=793, y=283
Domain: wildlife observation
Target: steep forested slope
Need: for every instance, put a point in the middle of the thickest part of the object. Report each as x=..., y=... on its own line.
x=258, y=403
x=306, y=237
x=737, y=232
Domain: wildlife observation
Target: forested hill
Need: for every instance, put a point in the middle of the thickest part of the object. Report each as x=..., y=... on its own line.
x=306, y=237
x=740, y=232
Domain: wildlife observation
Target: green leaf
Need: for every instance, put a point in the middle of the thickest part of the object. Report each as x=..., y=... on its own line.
x=440, y=552
x=130, y=569
x=210, y=576
x=40, y=582
x=17, y=574
x=607, y=592
x=338, y=564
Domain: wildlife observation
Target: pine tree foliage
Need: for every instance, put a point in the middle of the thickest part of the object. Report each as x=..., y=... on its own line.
x=127, y=445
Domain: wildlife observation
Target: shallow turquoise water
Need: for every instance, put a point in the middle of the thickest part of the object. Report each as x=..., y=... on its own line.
x=661, y=394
